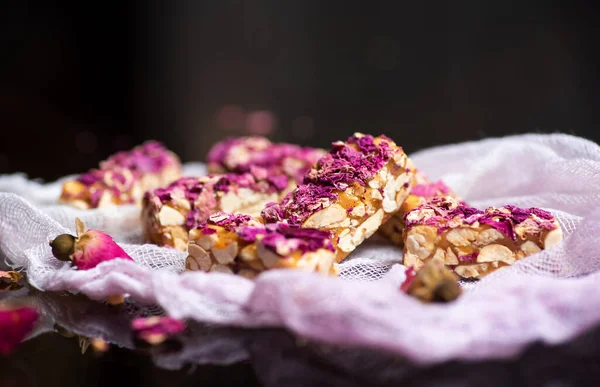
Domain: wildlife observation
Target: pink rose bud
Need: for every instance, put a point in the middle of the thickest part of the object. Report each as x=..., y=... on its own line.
x=88, y=249
x=15, y=324
x=156, y=329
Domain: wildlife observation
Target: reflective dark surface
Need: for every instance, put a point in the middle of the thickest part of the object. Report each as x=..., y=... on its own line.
x=230, y=357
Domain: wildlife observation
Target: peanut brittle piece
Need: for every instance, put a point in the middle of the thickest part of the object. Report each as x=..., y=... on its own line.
x=419, y=194
x=474, y=242
x=350, y=192
x=123, y=178
x=243, y=245
x=262, y=158
x=169, y=213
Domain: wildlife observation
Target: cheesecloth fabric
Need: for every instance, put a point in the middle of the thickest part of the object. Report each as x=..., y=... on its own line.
x=551, y=296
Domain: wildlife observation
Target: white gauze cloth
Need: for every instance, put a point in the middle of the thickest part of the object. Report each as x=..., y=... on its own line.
x=551, y=296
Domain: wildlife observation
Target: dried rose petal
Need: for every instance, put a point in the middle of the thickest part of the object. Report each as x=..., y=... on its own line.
x=430, y=189
x=156, y=329
x=410, y=276
x=447, y=212
x=15, y=324
x=263, y=159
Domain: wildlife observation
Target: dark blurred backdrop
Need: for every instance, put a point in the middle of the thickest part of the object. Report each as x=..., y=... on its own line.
x=81, y=80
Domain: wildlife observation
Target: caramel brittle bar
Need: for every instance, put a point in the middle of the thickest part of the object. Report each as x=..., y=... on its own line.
x=350, y=192
x=474, y=242
x=243, y=245
x=169, y=213
x=262, y=157
x=123, y=178
x=419, y=194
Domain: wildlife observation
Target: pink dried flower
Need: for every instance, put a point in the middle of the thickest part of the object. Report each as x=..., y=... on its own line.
x=410, y=276
x=88, y=249
x=156, y=329
x=15, y=324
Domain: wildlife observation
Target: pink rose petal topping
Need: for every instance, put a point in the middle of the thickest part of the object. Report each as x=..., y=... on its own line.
x=262, y=158
x=447, y=212
x=428, y=190
x=354, y=161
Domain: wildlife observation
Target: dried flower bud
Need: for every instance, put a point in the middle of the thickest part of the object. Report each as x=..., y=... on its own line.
x=433, y=283
x=156, y=329
x=63, y=247
x=88, y=249
x=15, y=324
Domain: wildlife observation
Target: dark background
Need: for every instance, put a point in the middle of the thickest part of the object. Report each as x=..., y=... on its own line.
x=81, y=80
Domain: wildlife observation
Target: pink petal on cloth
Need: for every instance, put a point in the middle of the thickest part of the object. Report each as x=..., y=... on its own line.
x=156, y=329
x=15, y=324
x=410, y=276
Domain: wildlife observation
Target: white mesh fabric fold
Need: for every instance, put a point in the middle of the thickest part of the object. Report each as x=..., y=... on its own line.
x=550, y=296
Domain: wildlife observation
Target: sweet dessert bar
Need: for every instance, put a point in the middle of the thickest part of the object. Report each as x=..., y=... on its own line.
x=169, y=213
x=474, y=242
x=262, y=157
x=419, y=194
x=123, y=178
x=243, y=245
x=350, y=192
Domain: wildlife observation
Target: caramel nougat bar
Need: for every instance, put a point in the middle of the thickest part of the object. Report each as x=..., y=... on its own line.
x=243, y=245
x=123, y=178
x=169, y=213
x=474, y=242
x=351, y=191
x=419, y=194
x=260, y=156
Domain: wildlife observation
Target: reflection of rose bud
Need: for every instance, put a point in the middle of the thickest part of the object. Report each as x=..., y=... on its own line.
x=15, y=324
x=88, y=249
x=156, y=329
